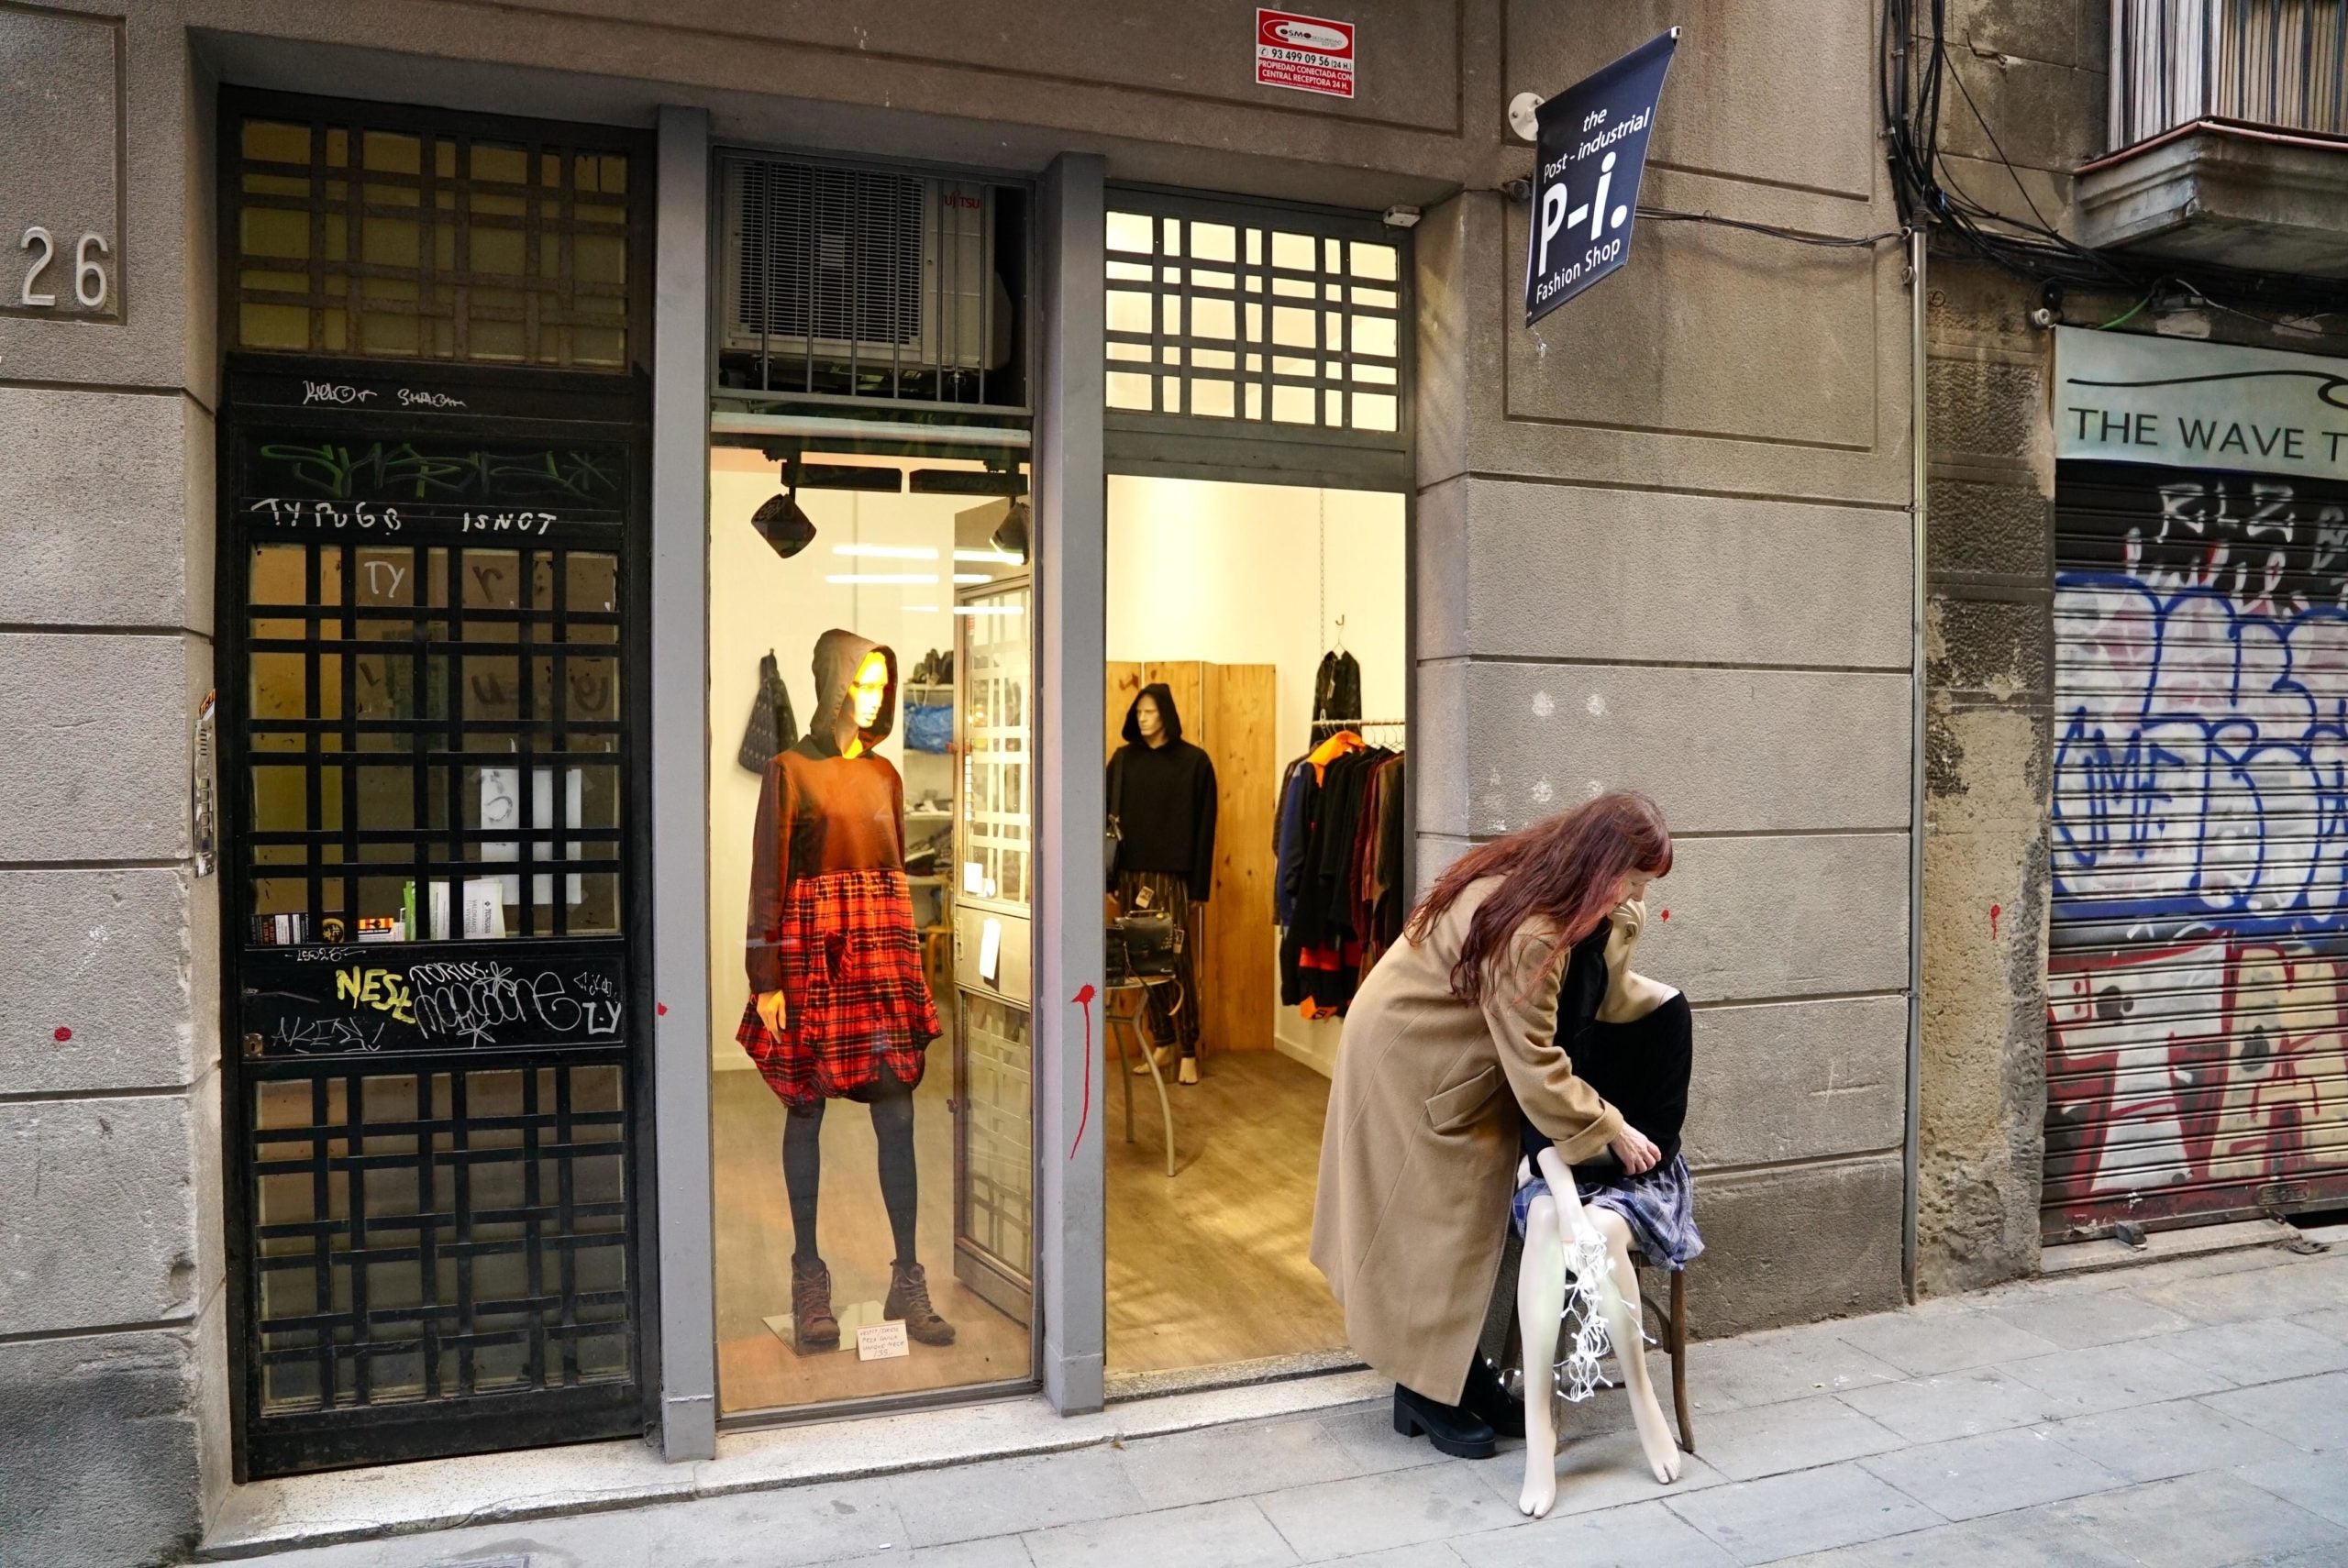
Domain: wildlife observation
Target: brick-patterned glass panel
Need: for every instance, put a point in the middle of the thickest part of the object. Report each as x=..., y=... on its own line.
x=410, y=243
x=434, y=1234
x=998, y=1196
x=1253, y=316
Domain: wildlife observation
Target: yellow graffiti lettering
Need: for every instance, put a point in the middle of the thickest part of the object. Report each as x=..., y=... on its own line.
x=345, y=985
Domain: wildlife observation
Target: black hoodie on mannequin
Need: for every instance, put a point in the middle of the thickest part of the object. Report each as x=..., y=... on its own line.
x=1164, y=801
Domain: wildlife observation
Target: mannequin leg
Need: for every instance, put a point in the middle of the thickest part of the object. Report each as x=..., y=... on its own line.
x=1540, y=1298
x=814, y=1328
x=803, y=1175
x=908, y=1298
x=1629, y=1347
x=893, y=1129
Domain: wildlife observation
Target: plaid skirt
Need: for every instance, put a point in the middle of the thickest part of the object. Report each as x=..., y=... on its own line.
x=854, y=998
x=1659, y=1206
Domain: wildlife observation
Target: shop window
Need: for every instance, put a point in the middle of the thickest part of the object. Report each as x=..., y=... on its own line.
x=871, y=870
x=1257, y=316
x=491, y=242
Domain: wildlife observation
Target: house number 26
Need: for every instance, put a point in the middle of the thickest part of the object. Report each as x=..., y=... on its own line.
x=89, y=269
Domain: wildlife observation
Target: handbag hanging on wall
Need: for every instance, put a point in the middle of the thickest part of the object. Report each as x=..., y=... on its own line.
x=772, y=728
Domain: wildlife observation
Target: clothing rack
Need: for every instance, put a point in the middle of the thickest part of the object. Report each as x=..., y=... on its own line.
x=1360, y=723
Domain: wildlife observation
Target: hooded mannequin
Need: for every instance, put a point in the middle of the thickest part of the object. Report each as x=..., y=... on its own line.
x=838, y=1007
x=1162, y=794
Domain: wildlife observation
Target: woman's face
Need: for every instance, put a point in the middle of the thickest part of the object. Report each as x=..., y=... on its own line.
x=1634, y=886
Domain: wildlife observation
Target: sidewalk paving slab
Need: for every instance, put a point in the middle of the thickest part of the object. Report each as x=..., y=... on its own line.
x=2311, y=1414
x=2203, y=1521
x=2027, y=1538
x=1013, y=1496
x=1782, y=1364
x=1639, y=1535
x=1958, y=1404
x=1597, y=1470
x=1769, y=1440
x=1808, y=1510
x=1372, y=1513
x=2112, y=1378
x=2262, y=1350
x=2154, y=1443
x=1238, y=1461
x=1921, y=1344
x=2316, y=1482
x=2077, y=1320
x=1233, y=1534
x=2307, y=1285
x=1995, y=1473
x=2332, y=1320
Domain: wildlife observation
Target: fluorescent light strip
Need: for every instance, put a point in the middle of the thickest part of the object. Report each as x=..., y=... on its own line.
x=890, y=552
x=995, y=558
x=869, y=578
x=967, y=577
x=987, y=610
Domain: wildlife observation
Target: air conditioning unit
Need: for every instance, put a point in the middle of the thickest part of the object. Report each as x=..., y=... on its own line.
x=882, y=270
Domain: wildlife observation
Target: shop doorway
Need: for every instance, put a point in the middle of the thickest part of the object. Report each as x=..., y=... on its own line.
x=1255, y=632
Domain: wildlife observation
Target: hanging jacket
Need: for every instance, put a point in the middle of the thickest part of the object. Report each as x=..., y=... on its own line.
x=1336, y=687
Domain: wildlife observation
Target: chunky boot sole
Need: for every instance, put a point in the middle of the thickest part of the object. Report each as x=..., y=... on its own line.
x=816, y=1343
x=1408, y=1423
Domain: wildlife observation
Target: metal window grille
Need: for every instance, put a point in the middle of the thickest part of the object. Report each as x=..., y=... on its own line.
x=423, y=715
x=856, y=285
x=2272, y=62
x=439, y=1235
x=354, y=229
x=1254, y=316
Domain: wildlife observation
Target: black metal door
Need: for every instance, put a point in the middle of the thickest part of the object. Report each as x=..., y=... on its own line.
x=432, y=669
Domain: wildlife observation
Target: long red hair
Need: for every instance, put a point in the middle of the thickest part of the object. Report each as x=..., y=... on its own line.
x=1565, y=871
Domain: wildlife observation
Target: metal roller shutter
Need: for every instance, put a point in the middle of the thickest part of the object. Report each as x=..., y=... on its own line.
x=2197, y=961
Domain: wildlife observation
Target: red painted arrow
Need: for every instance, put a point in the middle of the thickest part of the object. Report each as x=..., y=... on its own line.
x=1083, y=999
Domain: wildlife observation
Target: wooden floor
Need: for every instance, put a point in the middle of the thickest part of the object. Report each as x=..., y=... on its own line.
x=1209, y=1266
x=1205, y=1268
x=755, y=1369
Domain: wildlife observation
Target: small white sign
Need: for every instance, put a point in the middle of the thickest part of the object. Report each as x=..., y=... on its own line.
x=1312, y=54
x=974, y=878
x=881, y=1341
x=990, y=951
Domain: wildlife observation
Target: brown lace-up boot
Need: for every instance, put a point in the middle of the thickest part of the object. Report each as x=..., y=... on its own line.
x=813, y=1326
x=908, y=1299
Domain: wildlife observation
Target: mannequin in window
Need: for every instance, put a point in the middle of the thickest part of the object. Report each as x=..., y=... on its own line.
x=838, y=1007
x=1162, y=798
x=1636, y=1054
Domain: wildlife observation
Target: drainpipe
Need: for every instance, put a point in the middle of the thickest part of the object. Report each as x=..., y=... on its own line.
x=1909, y=1155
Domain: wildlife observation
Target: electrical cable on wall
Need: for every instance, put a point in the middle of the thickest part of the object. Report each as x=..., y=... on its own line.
x=2032, y=247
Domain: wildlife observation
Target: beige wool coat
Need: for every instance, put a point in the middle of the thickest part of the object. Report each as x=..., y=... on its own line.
x=1419, y=1157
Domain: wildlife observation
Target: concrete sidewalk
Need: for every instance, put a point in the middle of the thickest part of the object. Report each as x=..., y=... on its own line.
x=2191, y=1414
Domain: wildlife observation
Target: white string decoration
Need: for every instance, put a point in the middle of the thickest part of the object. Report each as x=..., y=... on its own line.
x=1582, y=1337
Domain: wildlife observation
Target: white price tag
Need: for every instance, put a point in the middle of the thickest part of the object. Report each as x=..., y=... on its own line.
x=881, y=1341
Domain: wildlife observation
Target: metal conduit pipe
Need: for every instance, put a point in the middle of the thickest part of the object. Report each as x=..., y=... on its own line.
x=1911, y=1148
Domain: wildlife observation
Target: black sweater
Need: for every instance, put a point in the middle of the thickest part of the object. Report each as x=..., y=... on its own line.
x=1641, y=1068
x=1165, y=806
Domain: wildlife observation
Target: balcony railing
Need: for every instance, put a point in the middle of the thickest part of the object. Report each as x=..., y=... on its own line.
x=2277, y=64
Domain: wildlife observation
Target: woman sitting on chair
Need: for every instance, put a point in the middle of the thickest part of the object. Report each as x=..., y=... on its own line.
x=1630, y=1040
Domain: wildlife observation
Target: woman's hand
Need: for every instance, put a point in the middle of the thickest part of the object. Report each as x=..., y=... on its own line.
x=772, y=1013
x=1634, y=1149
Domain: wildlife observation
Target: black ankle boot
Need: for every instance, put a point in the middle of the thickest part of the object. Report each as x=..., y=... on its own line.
x=1486, y=1399
x=1452, y=1429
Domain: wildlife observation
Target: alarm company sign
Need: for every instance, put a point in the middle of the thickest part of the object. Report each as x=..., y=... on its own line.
x=1312, y=54
x=1591, y=149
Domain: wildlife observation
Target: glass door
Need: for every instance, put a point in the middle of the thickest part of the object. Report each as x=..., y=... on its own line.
x=994, y=1072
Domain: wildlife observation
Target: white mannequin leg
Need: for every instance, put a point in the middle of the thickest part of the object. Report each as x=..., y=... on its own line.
x=1540, y=1298
x=1630, y=1351
x=1617, y=1295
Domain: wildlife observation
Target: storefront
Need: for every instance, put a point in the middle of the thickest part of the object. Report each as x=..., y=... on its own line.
x=439, y=643
x=2197, y=1068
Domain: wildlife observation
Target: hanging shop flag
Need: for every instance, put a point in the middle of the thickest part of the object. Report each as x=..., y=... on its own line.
x=1312, y=54
x=1592, y=147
